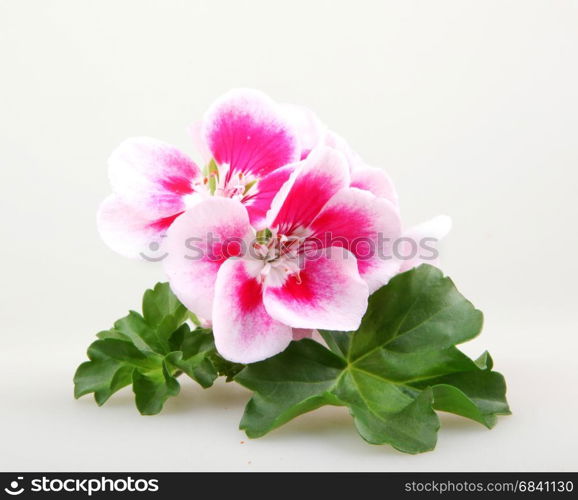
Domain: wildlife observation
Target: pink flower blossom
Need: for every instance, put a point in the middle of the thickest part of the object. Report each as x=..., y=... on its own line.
x=249, y=140
x=321, y=225
x=314, y=268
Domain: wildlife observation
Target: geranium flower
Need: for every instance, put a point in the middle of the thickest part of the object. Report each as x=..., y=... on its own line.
x=249, y=140
x=313, y=267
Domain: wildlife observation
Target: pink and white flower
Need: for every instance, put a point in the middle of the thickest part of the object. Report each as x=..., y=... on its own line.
x=321, y=225
x=313, y=267
x=250, y=140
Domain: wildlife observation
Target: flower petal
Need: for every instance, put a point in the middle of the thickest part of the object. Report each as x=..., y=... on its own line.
x=309, y=129
x=127, y=232
x=259, y=204
x=244, y=331
x=367, y=226
x=418, y=245
x=198, y=243
x=315, y=180
x=152, y=176
x=372, y=179
x=302, y=333
x=327, y=293
x=247, y=130
x=335, y=141
x=376, y=181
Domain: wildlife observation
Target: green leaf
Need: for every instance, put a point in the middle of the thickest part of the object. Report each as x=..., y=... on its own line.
x=419, y=310
x=485, y=361
x=96, y=377
x=338, y=342
x=296, y=381
x=225, y=368
x=124, y=352
x=192, y=355
x=160, y=303
x=152, y=389
x=478, y=395
x=162, y=314
x=112, y=362
x=392, y=373
x=112, y=334
x=385, y=413
x=149, y=351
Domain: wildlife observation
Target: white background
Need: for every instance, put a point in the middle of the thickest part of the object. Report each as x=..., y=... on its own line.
x=472, y=108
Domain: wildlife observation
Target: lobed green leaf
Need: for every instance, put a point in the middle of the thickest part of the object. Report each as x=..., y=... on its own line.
x=149, y=351
x=392, y=373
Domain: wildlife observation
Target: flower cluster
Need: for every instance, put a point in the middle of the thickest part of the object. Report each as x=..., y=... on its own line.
x=284, y=230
